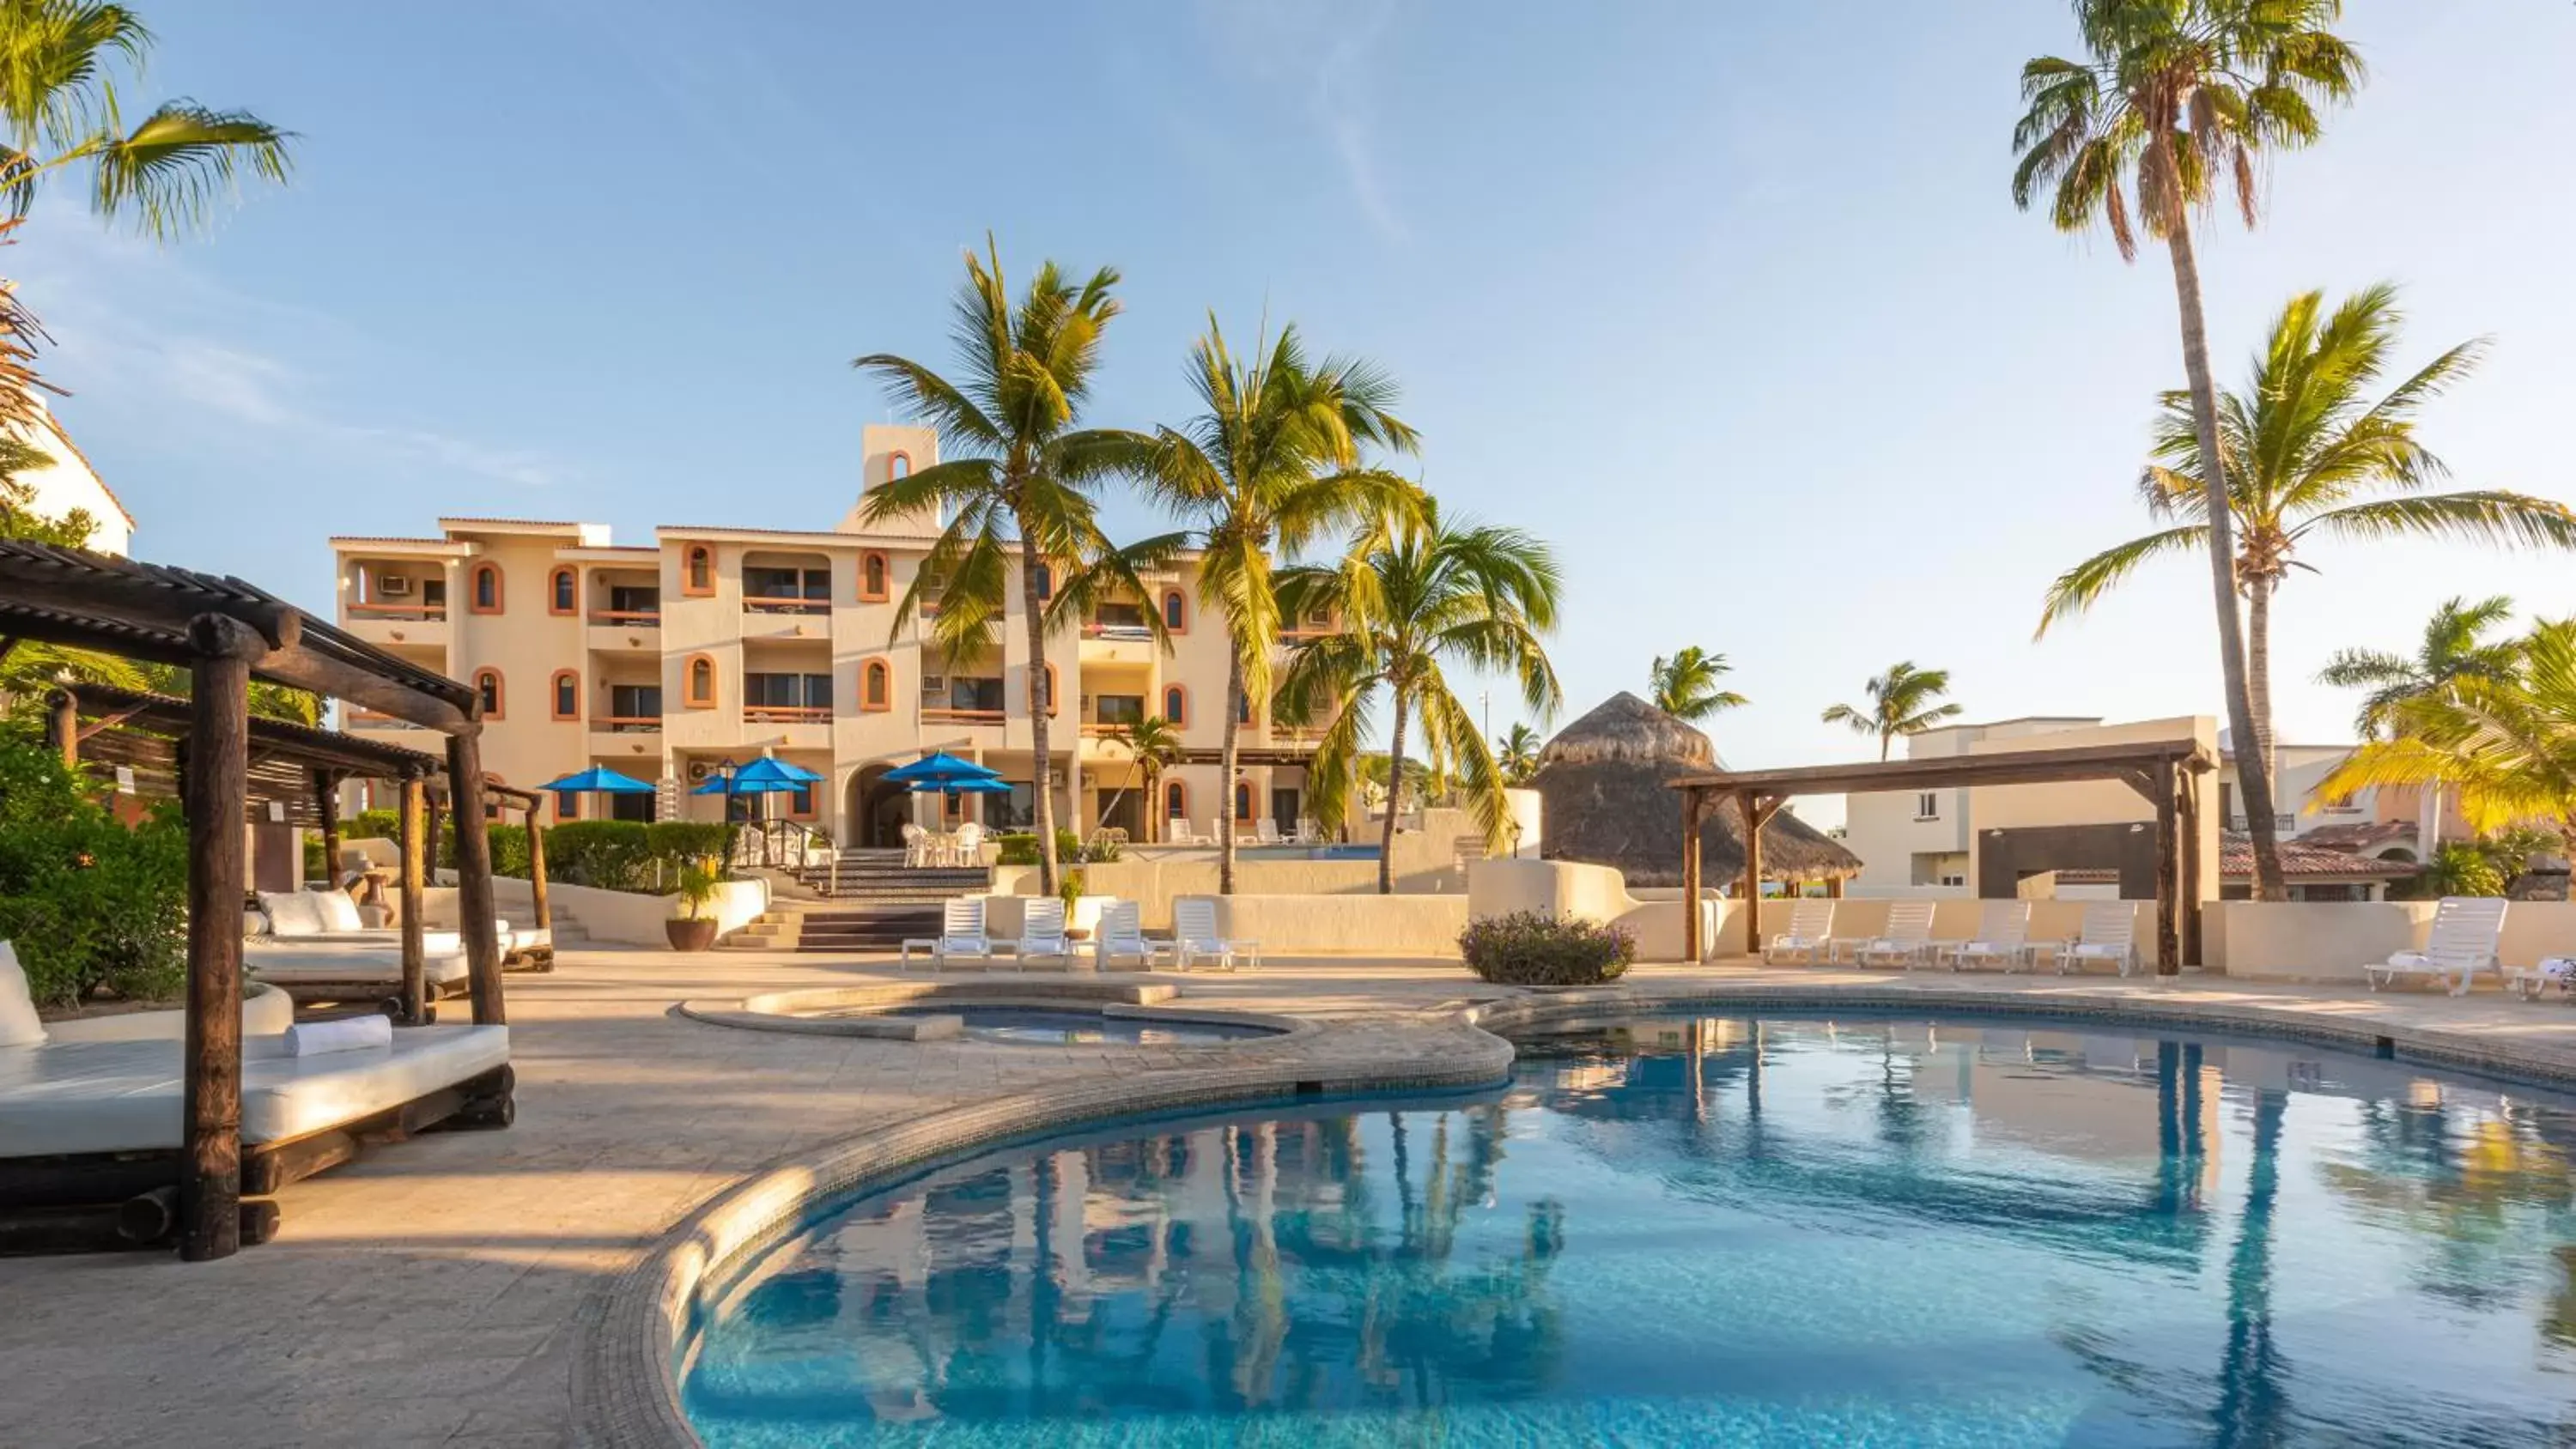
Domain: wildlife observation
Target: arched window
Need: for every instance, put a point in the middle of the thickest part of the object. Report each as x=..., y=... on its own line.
x=486, y=589
x=876, y=686
x=1176, y=704
x=873, y=577
x=698, y=682
x=1046, y=579
x=564, y=693
x=1243, y=799
x=560, y=587
x=898, y=465
x=1049, y=686
x=698, y=570
x=567, y=806
x=487, y=692
x=1176, y=800
x=1243, y=708
x=1176, y=612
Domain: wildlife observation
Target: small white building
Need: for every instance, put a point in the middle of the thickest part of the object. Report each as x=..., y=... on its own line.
x=69, y=485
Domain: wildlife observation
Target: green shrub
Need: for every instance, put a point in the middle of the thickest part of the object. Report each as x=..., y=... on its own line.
x=88, y=901
x=676, y=842
x=610, y=854
x=1021, y=847
x=1531, y=948
x=2462, y=869
x=509, y=846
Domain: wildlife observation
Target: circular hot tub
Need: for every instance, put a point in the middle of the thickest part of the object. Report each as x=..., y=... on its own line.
x=1052, y=1014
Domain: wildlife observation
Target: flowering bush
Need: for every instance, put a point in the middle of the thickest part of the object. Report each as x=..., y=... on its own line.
x=1532, y=948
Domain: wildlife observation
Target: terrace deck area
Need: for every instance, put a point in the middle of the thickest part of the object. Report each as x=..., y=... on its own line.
x=441, y=1292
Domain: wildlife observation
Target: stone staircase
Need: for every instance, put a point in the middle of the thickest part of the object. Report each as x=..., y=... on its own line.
x=873, y=902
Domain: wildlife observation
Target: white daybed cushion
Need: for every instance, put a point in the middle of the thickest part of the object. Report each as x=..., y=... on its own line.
x=266, y=1011
x=292, y=913
x=124, y=1096
x=339, y=913
x=433, y=941
x=333, y=962
x=19, y=1024
x=530, y=938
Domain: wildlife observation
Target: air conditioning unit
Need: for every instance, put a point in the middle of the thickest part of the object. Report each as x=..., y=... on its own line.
x=393, y=586
x=934, y=686
x=697, y=772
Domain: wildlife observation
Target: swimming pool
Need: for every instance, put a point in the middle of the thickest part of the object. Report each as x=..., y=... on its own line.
x=1047, y=1026
x=1713, y=1230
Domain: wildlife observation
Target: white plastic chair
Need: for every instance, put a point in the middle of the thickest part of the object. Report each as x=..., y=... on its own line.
x=967, y=845
x=2003, y=935
x=1907, y=942
x=1122, y=933
x=961, y=933
x=1042, y=930
x=1268, y=832
x=1810, y=933
x=916, y=846
x=1309, y=833
x=1194, y=936
x=2110, y=933
x=2463, y=943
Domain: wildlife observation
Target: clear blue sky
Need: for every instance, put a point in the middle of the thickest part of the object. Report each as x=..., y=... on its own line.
x=1729, y=302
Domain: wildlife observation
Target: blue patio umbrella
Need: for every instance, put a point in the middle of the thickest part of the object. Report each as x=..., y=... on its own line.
x=597, y=780
x=939, y=770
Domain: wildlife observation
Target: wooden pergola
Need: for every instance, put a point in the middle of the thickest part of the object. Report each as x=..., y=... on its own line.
x=2164, y=772
x=226, y=633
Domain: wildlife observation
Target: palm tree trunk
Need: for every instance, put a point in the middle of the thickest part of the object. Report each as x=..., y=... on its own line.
x=2254, y=784
x=1041, y=700
x=1225, y=772
x=2258, y=680
x=1394, y=792
x=1885, y=741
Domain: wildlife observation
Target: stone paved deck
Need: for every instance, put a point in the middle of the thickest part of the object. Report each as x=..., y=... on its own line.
x=429, y=1294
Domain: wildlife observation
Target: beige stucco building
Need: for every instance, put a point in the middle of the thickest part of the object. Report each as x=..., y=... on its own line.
x=718, y=643
x=68, y=484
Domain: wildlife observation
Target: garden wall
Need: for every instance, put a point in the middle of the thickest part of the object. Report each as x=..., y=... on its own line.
x=1344, y=925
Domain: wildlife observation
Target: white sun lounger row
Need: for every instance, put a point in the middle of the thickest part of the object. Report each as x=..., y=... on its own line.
x=2108, y=935
x=964, y=943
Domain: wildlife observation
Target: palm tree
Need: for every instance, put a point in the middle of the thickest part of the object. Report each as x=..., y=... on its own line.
x=1518, y=755
x=61, y=105
x=1900, y=703
x=2172, y=97
x=2304, y=446
x=1685, y=686
x=2454, y=647
x=1411, y=594
x=1155, y=746
x=1275, y=459
x=1019, y=478
x=2506, y=743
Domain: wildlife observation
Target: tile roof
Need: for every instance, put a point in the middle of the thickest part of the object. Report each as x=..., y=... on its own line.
x=2360, y=836
x=2300, y=858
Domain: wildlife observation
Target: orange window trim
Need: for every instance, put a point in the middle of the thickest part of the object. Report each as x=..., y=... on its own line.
x=554, y=590
x=1176, y=704
x=500, y=696
x=690, y=695
x=474, y=589
x=689, y=558
x=1051, y=691
x=1176, y=799
x=885, y=578
x=555, y=694
x=876, y=687
x=1171, y=597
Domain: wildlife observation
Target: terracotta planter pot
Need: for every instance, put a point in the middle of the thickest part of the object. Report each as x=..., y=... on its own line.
x=690, y=935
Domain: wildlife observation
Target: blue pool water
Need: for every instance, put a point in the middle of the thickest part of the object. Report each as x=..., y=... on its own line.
x=1037, y=1026
x=1713, y=1231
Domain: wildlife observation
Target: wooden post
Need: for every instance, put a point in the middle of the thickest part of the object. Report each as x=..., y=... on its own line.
x=62, y=726
x=1833, y=887
x=415, y=970
x=2168, y=882
x=537, y=868
x=1693, y=948
x=326, y=803
x=2187, y=820
x=475, y=914
x=1747, y=805
x=433, y=805
x=217, y=801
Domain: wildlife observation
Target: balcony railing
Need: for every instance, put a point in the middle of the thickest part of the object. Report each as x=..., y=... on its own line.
x=941, y=714
x=2281, y=824
x=627, y=724
x=1100, y=729
x=755, y=604
x=425, y=613
x=1140, y=633
x=628, y=618
x=787, y=714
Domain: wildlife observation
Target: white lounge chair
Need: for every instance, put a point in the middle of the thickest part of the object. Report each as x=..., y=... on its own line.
x=966, y=847
x=2109, y=933
x=1267, y=833
x=2463, y=943
x=1042, y=931
x=2003, y=937
x=1194, y=937
x=1810, y=934
x=1907, y=942
x=1122, y=934
x=961, y=934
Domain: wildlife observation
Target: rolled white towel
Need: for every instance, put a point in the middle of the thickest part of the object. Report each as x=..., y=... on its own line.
x=345, y=1034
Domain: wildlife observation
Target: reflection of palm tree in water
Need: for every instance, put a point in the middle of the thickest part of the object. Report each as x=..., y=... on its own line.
x=2253, y=1404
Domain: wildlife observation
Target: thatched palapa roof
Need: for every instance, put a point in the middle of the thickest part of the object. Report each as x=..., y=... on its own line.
x=1603, y=784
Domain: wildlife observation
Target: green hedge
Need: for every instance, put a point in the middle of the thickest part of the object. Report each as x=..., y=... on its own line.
x=87, y=901
x=616, y=855
x=1532, y=948
x=1021, y=848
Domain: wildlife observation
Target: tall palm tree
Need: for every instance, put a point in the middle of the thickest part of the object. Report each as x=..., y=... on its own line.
x=61, y=106
x=1685, y=686
x=1900, y=703
x=2454, y=647
x=1412, y=594
x=1517, y=755
x=1155, y=746
x=2173, y=97
x=1276, y=458
x=1018, y=477
x=2506, y=744
x=2304, y=447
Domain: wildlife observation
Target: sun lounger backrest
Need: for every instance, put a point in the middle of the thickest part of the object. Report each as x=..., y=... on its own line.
x=2110, y=923
x=1194, y=919
x=963, y=917
x=1909, y=920
x=2004, y=923
x=19, y=1023
x=1042, y=916
x=1123, y=921
x=1811, y=920
x=2466, y=928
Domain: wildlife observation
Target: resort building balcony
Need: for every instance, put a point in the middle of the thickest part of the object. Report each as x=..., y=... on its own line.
x=623, y=611
x=393, y=623
x=1117, y=634
x=965, y=702
x=786, y=596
